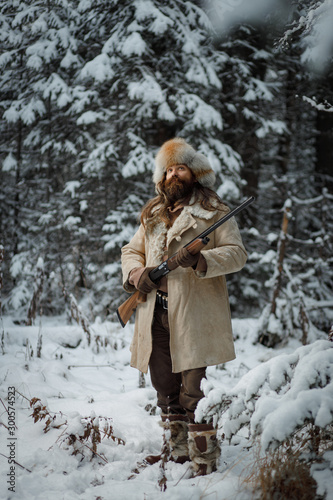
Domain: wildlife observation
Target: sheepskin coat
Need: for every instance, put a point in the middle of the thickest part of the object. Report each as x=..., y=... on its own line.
x=199, y=312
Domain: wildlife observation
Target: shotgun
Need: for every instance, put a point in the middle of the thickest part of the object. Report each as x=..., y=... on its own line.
x=125, y=311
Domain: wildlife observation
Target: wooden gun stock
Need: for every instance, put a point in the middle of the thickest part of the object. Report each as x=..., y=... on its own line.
x=125, y=311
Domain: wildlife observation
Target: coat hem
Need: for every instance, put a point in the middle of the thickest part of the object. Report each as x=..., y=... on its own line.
x=213, y=363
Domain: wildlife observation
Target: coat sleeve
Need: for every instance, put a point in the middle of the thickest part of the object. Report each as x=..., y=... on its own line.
x=133, y=256
x=228, y=254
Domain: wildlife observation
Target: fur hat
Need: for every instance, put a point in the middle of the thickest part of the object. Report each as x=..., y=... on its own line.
x=177, y=152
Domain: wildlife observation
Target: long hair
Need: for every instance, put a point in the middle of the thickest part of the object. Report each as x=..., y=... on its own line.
x=157, y=209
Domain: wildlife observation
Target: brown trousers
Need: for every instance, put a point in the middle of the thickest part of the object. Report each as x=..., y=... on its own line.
x=176, y=392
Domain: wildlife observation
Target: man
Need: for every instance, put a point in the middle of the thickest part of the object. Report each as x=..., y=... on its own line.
x=184, y=326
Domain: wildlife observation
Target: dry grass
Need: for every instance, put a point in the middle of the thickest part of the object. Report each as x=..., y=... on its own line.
x=90, y=434
x=284, y=474
x=281, y=476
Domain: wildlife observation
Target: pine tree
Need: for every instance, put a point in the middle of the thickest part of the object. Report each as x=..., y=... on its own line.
x=304, y=282
x=155, y=75
x=89, y=92
x=40, y=139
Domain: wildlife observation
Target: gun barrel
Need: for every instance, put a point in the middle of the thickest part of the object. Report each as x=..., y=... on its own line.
x=224, y=219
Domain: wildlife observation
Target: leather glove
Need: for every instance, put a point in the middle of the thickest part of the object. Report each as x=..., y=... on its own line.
x=145, y=284
x=185, y=259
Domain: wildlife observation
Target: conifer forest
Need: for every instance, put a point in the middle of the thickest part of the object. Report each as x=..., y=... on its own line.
x=90, y=90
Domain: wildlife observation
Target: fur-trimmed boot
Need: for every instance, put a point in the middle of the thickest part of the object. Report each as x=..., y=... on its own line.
x=204, y=449
x=175, y=444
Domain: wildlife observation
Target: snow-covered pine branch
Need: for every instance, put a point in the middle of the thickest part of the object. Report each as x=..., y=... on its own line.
x=276, y=398
x=325, y=106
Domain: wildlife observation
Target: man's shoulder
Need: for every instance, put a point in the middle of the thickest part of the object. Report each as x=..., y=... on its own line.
x=219, y=204
x=209, y=207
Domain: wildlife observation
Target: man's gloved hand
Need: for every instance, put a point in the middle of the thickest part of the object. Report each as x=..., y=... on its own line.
x=145, y=284
x=185, y=259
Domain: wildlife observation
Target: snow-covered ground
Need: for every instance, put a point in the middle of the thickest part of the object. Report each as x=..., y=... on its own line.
x=74, y=380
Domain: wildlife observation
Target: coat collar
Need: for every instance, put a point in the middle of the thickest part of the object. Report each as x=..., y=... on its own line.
x=161, y=237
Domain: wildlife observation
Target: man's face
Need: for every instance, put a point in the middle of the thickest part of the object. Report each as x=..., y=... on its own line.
x=178, y=182
x=180, y=171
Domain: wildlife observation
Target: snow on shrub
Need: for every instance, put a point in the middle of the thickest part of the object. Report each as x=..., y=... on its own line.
x=276, y=398
x=79, y=434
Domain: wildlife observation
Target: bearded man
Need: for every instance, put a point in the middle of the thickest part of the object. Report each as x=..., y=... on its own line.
x=185, y=324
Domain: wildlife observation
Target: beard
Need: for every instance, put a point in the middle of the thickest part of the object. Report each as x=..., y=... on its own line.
x=176, y=189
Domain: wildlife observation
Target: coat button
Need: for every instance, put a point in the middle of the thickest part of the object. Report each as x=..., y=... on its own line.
x=178, y=238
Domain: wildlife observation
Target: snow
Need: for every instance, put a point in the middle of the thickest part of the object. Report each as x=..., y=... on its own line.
x=165, y=113
x=258, y=90
x=318, y=39
x=44, y=49
x=200, y=73
x=159, y=23
x=57, y=89
x=228, y=156
x=228, y=190
x=111, y=269
x=83, y=205
x=40, y=25
x=140, y=158
x=134, y=44
x=69, y=60
x=40, y=264
x=19, y=264
x=46, y=218
x=125, y=234
x=271, y=237
x=98, y=68
x=268, y=257
x=227, y=13
x=72, y=221
x=78, y=384
x=276, y=398
x=21, y=295
x=102, y=153
x=203, y=115
x=320, y=106
x=9, y=163
x=323, y=475
x=90, y=117
x=147, y=90
x=24, y=111
x=191, y=45
x=71, y=187
x=277, y=126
